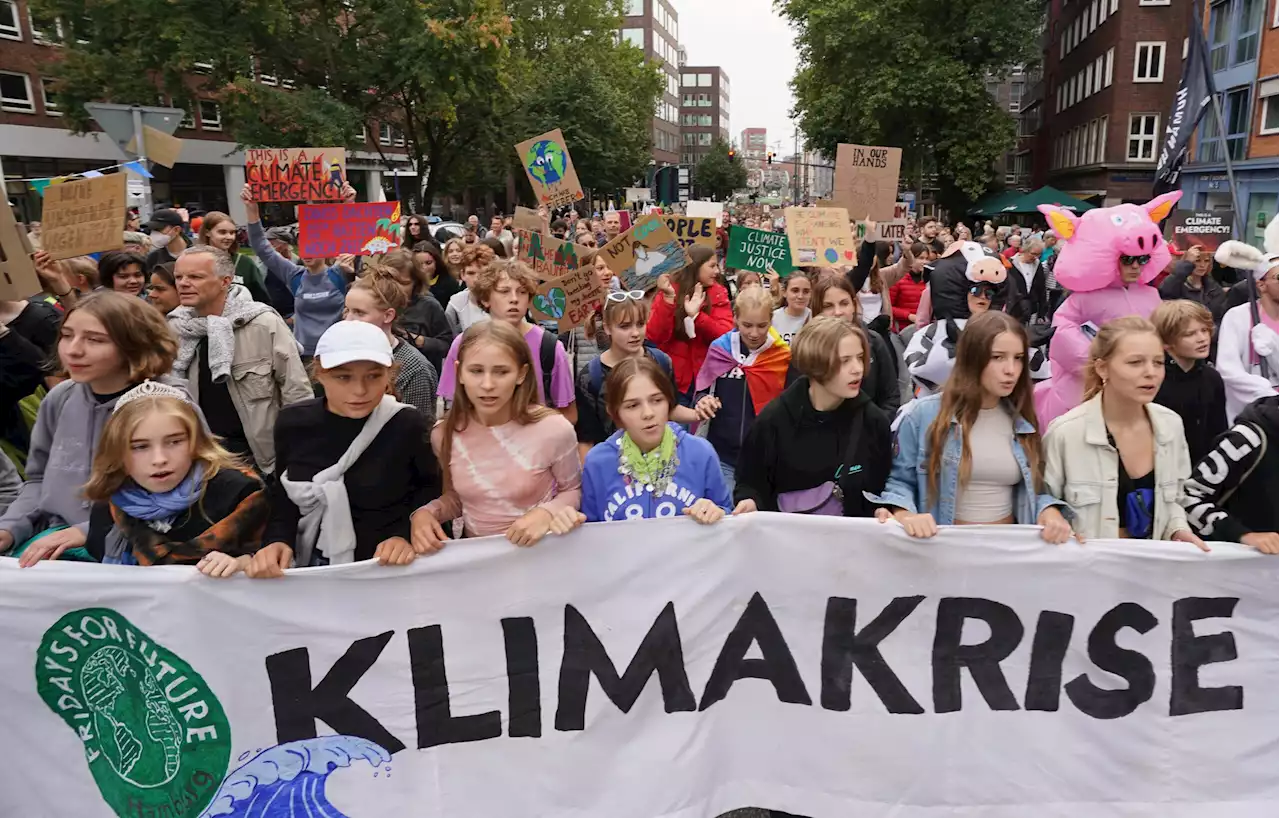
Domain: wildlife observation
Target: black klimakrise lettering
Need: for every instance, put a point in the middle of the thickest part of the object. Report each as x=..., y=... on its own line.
x=436, y=724
x=756, y=625
x=1189, y=653
x=524, y=690
x=843, y=649
x=298, y=705
x=1130, y=665
x=982, y=660
x=584, y=656
x=1048, y=650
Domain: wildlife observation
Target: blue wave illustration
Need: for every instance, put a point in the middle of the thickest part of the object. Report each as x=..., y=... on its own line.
x=288, y=780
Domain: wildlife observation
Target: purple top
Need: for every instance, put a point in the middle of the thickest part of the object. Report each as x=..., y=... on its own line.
x=562, y=393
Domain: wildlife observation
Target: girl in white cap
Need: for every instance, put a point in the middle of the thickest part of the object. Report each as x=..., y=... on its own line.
x=1248, y=347
x=354, y=465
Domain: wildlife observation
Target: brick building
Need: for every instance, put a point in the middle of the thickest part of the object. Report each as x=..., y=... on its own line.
x=1110, y=72
x=704, y=110
x=1244, y=47
x=654, y=26
x=34, y=141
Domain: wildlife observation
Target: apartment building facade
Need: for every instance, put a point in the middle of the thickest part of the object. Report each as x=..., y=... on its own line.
x=1111, y=68
x=704, y=110
x=654, y=26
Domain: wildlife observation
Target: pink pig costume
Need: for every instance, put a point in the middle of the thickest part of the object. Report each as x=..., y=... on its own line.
x=1089, y=268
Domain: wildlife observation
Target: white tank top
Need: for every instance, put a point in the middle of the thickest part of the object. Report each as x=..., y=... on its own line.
x=871, y=303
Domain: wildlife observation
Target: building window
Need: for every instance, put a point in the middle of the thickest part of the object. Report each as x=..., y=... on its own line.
x=1142, y=137
x=51, y=107
x=210, y=115
x=1115, y=6
x=633, y=8
x=1249, y=32
x=1088, y=80
x=397, y=136
x=1148, y=62
x=1097, y=73
x=15, y=93
x=1153, y=2
x=635, y=36
x=1111, y=58
x=1015, y=96
x=1269, y=116
x=384, y=135
x=1102, y=141
x=704, y=140
x=689, y=79
x=704, y=80
x=10, y=28
x=1091, y=147
x=188, y=121
x=1219, y=34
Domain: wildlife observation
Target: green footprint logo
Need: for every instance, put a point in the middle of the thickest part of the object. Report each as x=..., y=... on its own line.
x=155, y=737
x=552, y=303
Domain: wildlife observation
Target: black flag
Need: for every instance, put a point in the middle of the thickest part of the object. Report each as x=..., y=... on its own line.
x=1189, y=104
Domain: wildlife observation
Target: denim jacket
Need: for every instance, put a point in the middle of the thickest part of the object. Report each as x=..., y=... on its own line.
x=908, y=484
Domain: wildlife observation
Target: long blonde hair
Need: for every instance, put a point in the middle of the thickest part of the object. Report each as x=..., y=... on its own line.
x=525, y=408
x=1104, y=346
x=110, y=468
x=963, y=393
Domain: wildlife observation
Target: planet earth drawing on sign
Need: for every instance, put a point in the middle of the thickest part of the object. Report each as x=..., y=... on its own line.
x=831, y=255
x=546, y=161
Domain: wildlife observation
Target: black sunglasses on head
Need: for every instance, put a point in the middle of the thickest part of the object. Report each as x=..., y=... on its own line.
x=1142, y=260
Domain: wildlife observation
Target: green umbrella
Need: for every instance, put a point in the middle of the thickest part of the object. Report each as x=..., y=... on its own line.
x=1029, y=202
x=990, y=204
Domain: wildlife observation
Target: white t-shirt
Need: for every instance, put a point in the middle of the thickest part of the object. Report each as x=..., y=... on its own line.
x=787, y=324
x=872, y=304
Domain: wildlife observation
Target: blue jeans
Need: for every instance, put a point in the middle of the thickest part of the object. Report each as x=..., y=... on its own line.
x=728, y=473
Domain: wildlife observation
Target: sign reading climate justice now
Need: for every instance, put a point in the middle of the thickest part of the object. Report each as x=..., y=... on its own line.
x=752, y=249
x=819, y=666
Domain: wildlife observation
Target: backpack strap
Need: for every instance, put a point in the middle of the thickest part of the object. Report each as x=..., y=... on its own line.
x=547, y=358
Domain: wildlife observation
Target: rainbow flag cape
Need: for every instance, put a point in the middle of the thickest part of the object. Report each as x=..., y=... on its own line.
x=765, y=369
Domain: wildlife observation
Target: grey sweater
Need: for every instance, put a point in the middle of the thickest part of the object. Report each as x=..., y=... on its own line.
x=318, y=298
x=63, y=441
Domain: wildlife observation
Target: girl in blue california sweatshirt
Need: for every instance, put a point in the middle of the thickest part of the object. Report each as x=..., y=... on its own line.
x=650, y=468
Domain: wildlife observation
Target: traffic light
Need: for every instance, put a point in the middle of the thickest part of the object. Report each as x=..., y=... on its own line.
x=732, y=153
x=769, y=158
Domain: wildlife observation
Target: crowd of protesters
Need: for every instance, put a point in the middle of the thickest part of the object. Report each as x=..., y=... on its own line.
x=188, y=401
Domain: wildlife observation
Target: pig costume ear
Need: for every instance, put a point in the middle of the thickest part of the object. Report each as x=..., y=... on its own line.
x=1161, y=206
x=1061, y=221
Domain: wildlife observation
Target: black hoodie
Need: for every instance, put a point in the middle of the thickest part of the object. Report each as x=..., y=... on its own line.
x=1200, y=399
x=793, y=447
x=1232, y=491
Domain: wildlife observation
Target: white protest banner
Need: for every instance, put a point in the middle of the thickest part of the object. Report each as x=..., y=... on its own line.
x=821, y=666
x=892, y=230
x=701, y=208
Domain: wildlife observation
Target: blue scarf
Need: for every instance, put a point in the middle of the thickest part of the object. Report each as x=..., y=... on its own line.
x=141, y=504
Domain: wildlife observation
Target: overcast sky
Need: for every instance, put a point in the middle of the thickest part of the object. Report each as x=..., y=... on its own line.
x=752, y=43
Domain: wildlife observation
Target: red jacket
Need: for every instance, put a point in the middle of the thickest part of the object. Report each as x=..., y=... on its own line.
x=687, y=356
x=904, y=296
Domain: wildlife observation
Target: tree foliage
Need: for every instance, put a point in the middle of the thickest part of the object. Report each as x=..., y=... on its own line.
x=718, y=176
x=911, y=74
x=461, y=81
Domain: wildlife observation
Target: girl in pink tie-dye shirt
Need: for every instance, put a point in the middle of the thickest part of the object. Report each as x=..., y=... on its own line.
x=510, y=466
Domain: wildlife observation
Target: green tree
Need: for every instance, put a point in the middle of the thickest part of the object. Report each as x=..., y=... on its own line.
x=911, y=74
x=718, y=176
x=461, y=80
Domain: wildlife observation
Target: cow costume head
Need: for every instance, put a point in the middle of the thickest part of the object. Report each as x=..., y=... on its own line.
x=1090, y=259
x=963, y=265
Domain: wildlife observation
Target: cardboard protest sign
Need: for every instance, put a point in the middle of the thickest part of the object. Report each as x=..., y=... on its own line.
x=295, y=174
x=892, y=230
x=820, y=235
x=526, y=218
x=549, y=257
x=84, y=216
x=546, y=162
x=18, y=277
x=1207, y=228
x=866, y=180
x=358, y=228
x=569, y=299
x=161, y=148
x=713, y=210
x=901, y=210
x=645, y=252
x=751, y=249
x=690, y=230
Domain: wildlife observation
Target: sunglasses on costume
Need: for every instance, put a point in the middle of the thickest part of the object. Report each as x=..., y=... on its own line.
x=1141, y=260
x=621, y=296
x=983, y=291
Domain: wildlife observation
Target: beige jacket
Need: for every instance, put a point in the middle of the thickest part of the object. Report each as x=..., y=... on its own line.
x=266, y=373
x=1081, y=467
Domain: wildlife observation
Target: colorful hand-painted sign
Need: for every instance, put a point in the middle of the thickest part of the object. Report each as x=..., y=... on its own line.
x=358, y=228
x=691, y=230
x=646, y=251
x=548, y=256
x=569, y=299
x=820, y=236
x=295, y=174
x=751, y=249
x=546, y=162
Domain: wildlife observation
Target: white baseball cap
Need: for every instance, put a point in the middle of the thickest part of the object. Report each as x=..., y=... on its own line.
x=348, y=341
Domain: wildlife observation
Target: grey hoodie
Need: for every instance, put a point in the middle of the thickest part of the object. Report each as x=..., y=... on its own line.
x=63, y=441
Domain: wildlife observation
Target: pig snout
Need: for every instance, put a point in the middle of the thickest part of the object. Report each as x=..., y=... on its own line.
x=1138, y=240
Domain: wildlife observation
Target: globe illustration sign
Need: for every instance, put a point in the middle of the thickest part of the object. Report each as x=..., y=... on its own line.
x=546, y=161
